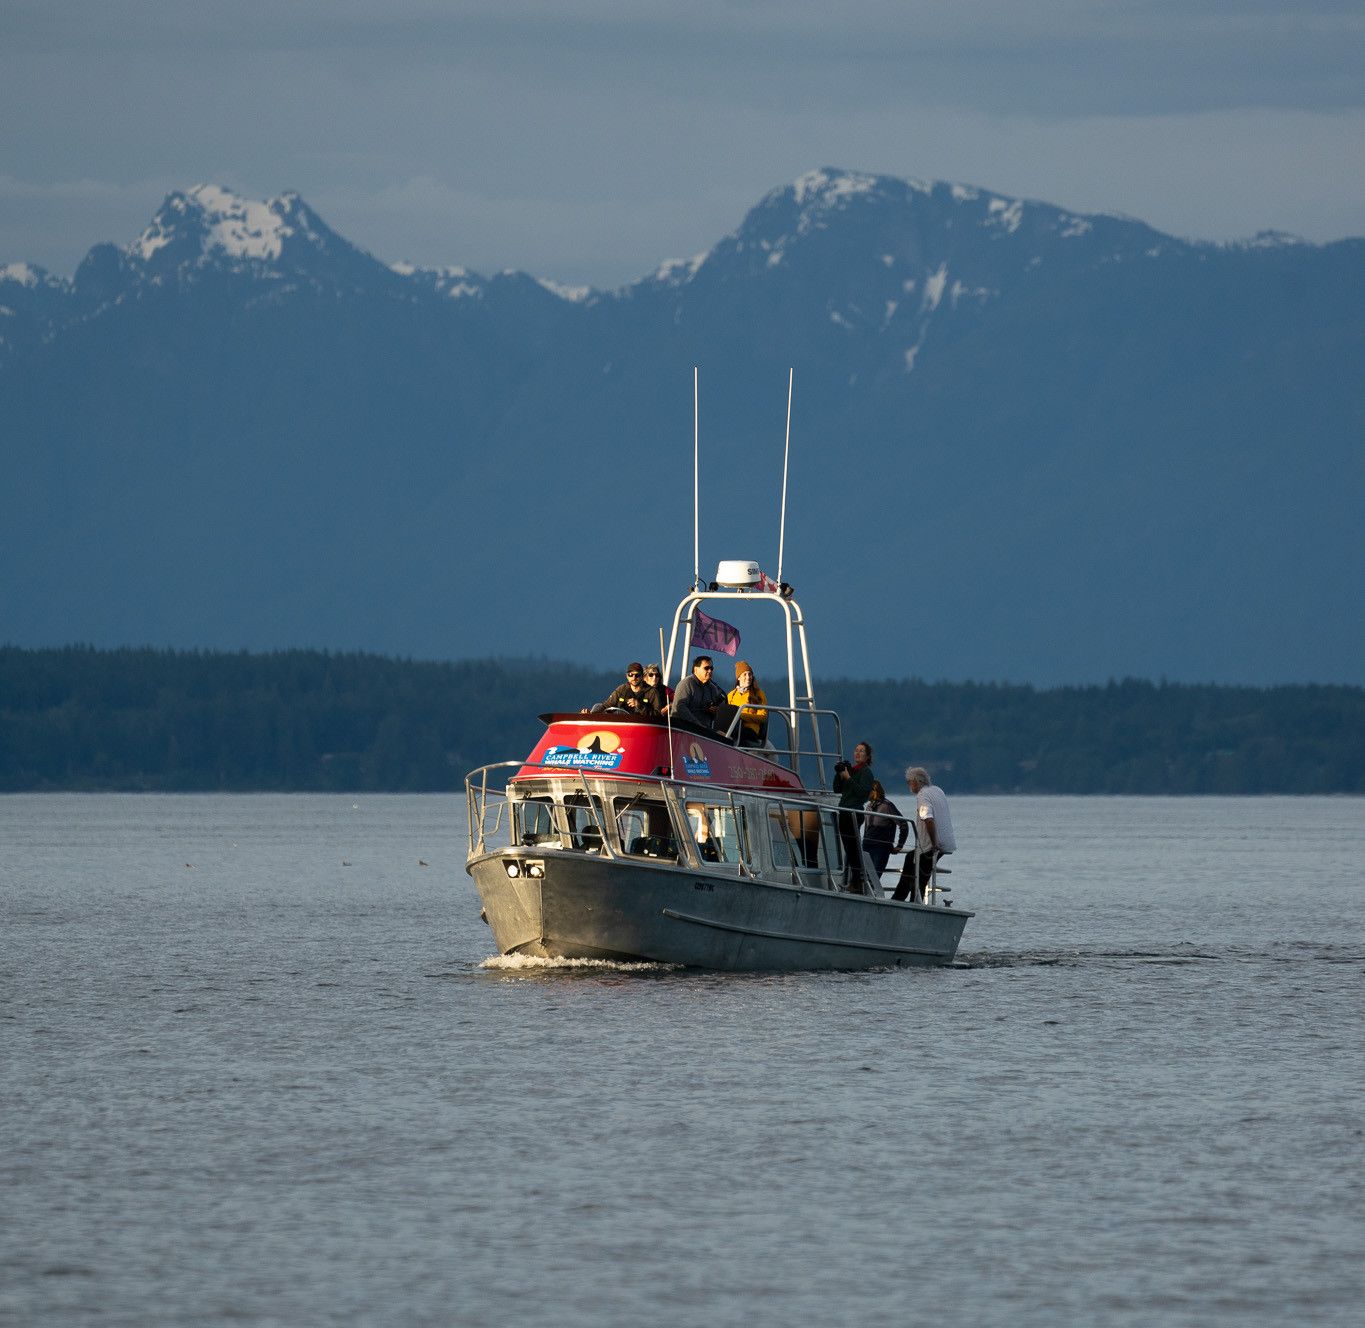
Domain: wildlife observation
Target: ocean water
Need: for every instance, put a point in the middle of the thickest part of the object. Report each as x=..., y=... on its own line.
x=257, y=1066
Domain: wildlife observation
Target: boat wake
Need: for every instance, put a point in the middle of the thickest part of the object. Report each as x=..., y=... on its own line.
x=515, y=963
x=1292, y=952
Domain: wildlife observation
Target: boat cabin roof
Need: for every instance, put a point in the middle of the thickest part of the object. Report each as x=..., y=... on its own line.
x=624, y=746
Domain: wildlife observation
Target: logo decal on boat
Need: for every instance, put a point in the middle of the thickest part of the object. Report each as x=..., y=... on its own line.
x=695, y=764
x=599, y=750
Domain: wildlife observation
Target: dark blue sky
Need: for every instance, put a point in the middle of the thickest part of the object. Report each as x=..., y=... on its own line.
x=588, y=140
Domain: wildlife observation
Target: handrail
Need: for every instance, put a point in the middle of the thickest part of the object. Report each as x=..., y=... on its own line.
x=785, y=802
x=478, y=792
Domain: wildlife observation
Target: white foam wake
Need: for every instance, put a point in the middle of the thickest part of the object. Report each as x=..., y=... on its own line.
x=514, y=963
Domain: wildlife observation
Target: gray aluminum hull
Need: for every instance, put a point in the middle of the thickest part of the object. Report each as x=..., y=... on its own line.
x=588, y=907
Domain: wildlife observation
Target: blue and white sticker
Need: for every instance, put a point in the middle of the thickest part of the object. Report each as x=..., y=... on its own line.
x=572, y=758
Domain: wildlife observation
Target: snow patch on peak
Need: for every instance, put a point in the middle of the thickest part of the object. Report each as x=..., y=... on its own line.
x=934, y=286
x=1005, y=213
x=226, y=224
x=678, y=270
x=574, y=294
x=240, y=227
x=963, y=193
x=24, y=274
x=1072, y=227
x=831, y=188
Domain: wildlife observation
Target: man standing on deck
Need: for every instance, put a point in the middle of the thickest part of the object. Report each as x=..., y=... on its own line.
x=698, y=698
x=936, y=836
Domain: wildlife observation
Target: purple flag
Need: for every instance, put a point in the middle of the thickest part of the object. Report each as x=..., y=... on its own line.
x=712, y=634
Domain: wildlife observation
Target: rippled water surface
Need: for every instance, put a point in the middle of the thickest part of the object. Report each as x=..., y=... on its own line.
x=259, y=1069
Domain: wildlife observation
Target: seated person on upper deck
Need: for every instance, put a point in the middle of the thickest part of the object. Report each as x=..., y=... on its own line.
x=632, y=695
x=747, y=697
x=698, y=698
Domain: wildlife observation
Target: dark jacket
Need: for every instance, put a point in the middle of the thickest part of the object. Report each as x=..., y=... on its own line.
x=855, y=788
x=644, y=702
x=692, y=701
x=883, y=823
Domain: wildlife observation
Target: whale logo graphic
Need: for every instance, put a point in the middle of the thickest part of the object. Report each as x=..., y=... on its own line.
x=599, y=750
x=695, y=764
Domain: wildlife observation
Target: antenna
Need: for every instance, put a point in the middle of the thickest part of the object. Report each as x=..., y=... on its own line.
x=786, y=452
x=696, y=511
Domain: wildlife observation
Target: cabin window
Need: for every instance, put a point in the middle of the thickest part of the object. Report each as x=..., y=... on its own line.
x=536, y=821
x=721, y=832
x=779, y=843
x=645, y=828
x=831, y=847
x=583, y=822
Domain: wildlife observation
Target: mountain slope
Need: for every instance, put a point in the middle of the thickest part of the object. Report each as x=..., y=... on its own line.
x=1026, y=444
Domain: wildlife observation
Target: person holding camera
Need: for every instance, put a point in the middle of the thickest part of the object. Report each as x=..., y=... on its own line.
x=853, y=783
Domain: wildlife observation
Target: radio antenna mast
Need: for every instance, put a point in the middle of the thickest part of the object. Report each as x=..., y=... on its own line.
x=786, y=452
x=696, y=511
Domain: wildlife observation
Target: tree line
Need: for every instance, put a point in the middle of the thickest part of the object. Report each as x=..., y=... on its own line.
x=80, y=718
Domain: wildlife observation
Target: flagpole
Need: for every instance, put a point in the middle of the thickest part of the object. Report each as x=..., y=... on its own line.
x=668, y=705
x=786, y=452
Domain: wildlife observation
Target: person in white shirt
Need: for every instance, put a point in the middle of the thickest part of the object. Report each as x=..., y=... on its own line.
x=936, y=838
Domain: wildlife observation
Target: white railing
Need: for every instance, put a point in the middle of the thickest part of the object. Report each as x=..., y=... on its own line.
x=492, y=825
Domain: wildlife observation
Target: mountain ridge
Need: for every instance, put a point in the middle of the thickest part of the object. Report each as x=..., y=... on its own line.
x=1123, y=453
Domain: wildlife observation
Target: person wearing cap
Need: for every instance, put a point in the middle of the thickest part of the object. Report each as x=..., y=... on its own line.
x=747, y=697
x=632, y=694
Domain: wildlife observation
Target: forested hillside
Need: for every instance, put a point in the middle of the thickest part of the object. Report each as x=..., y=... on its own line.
x=80, y=718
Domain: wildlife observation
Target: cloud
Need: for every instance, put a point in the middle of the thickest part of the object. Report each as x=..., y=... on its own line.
x=586, y=140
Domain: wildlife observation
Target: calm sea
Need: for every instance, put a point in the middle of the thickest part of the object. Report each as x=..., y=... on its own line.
x=256, y=1068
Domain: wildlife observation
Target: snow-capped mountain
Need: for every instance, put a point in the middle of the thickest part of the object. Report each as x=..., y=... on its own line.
x=1041, y=445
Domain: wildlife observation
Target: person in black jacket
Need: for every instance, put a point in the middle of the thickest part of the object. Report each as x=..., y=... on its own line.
x=853, y=784
x=884, y=828
x=632, y=694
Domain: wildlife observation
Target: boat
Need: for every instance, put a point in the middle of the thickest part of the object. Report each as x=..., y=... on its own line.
x=643, y=839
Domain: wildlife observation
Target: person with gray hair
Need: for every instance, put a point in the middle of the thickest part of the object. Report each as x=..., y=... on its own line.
x=935, y=835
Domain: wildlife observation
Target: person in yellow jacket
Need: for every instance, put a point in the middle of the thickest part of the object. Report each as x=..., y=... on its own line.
x=747, y=697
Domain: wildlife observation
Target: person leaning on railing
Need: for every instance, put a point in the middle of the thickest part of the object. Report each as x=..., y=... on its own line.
x=936, y=836
x=883, y=827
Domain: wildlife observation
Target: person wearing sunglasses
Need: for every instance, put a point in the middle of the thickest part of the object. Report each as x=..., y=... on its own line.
x=654, y=678
x=698, y=697
x=633, y=694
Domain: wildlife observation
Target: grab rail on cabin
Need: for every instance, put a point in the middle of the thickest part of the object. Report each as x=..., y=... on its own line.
x=792, y=718
x=805, y=825
x=809, y=832
x=477, y=799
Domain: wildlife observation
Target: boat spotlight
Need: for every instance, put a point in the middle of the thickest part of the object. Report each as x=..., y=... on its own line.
x=513, y=868
x=535, y=869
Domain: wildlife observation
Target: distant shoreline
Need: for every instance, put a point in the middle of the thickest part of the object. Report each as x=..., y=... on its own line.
x=81, y=719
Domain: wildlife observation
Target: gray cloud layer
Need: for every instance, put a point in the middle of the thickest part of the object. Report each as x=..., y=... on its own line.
x=587, y=140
